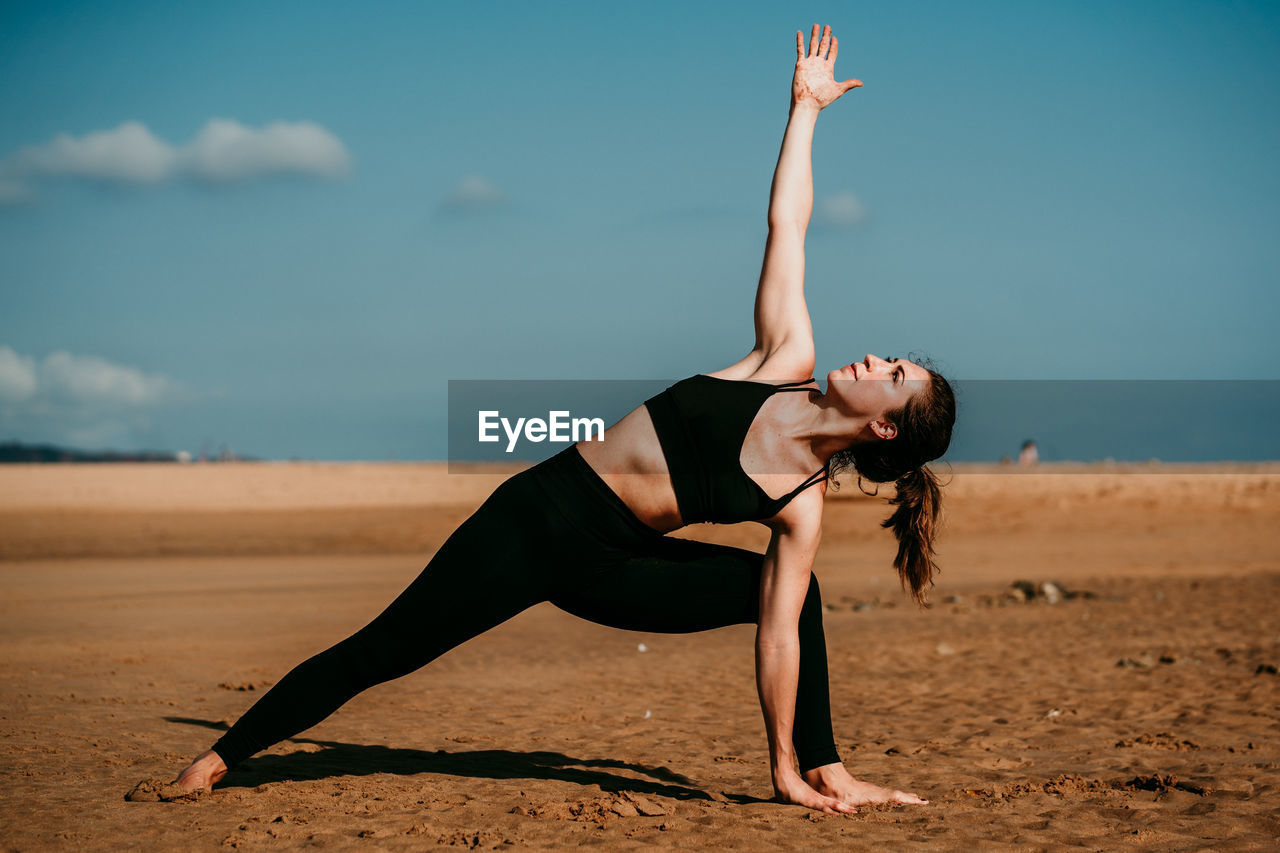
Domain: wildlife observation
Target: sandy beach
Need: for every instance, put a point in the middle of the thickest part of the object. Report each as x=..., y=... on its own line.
x=1133, y=704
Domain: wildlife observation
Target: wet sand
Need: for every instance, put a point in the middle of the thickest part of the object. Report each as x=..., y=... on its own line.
x=143, y=608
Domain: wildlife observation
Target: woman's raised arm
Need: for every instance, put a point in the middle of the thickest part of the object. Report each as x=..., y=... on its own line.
x=782, y=325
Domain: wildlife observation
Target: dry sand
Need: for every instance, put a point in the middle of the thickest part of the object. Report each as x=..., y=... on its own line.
x=143, y=608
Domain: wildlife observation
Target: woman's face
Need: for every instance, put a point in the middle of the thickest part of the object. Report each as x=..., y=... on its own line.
x=873, y=387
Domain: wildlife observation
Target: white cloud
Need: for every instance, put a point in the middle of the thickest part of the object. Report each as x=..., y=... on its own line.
x=89, y=379
x=81, y=399
x=223, y=150
x=474, y=193
x=841, y=209
x=17, y=376
x=129, y=153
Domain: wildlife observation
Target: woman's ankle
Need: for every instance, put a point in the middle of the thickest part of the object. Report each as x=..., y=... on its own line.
x=212, y=760
x=825, y=773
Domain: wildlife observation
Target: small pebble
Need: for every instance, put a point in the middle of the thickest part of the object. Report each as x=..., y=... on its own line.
x=1051, y=592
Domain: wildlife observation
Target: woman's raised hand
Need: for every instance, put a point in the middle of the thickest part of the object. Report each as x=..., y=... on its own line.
x=814, y=82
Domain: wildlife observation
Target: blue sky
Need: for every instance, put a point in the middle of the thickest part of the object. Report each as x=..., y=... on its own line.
x=393, y=195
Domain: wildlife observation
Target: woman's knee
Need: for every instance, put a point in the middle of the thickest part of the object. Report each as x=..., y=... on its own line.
x=362, y=660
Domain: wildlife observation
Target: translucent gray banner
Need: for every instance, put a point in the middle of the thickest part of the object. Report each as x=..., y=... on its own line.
x=1044, y=422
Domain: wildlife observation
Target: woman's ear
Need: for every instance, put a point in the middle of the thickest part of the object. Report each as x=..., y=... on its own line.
x=883, y=429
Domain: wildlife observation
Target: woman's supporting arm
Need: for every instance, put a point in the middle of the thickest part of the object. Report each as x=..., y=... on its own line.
x=783, y=585
x=782, y=322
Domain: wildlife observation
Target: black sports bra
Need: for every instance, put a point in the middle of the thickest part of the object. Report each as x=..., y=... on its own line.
x=702, y=423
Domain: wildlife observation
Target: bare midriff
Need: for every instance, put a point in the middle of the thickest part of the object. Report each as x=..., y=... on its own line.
x=630, y=461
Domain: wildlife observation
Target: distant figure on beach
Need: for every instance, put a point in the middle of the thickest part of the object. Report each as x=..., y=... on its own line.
x=586, y=529
x=1029, y=455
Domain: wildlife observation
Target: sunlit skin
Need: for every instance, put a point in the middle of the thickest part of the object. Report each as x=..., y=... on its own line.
x=792, y=436
x=852, y=395
x=205, y=772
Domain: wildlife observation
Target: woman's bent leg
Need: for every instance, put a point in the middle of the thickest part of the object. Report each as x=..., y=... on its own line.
x=685, y=586
x=489, y=570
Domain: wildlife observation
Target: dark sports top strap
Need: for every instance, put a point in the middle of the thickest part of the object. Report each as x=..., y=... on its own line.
x=817, y=477
x=787, y=386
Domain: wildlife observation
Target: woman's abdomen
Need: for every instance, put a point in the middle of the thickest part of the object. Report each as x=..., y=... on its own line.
x=630, y=461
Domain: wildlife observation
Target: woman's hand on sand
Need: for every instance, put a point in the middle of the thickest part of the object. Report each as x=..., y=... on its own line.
x=790, y=788
x=814, y=82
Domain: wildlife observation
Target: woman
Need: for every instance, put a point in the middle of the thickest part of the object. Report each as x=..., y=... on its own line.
x=585, y=529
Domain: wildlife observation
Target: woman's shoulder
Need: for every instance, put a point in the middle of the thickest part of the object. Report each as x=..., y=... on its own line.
x=774, y=368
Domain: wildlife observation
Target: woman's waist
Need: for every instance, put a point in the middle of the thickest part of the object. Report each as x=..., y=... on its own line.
x=632, y=463
x=586, y=501
x=640, y=484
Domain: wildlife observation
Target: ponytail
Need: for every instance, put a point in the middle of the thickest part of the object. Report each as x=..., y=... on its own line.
x=918, y=503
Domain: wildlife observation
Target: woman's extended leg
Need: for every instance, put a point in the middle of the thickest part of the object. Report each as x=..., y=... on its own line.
x=680, y=586
x=486, y=572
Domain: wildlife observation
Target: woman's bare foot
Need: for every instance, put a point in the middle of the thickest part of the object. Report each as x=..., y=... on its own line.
x=204, y=772
x=834, y=781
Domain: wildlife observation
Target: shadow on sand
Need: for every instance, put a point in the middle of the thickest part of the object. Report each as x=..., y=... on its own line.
x=349, y=759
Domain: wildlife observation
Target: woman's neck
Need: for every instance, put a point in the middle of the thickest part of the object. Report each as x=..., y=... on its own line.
x=817, y=422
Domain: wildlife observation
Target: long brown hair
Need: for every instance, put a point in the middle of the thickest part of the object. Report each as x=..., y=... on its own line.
x=924, y=431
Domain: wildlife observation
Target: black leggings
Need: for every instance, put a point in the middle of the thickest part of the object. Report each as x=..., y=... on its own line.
x=554, y=532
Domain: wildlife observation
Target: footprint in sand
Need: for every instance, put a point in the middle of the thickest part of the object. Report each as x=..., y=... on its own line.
x=160, y=791
x=627, y=804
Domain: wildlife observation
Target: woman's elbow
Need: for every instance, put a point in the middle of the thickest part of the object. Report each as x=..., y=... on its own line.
x=779, y=222
x=777, y=641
